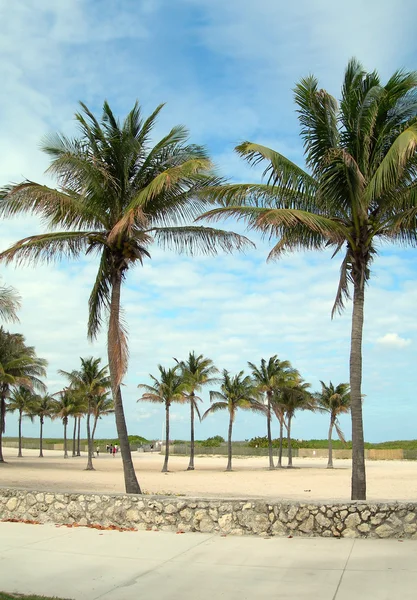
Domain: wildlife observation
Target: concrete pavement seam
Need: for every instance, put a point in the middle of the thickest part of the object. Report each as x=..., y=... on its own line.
x=343, y=572
x=132, y=581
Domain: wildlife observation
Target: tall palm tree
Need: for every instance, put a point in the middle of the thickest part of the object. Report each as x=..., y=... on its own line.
x=335, y=401
x=9, y=303
x=197, y=371
x=65, y=406
x=43, y=407
x=116, y=196
x=88, y=383
x=293, y=397
x=22, y=400
x=268, y=378
x=359, y=189
x=19, y=366
x=170, y=387
x=236, y=392
x=102, y=405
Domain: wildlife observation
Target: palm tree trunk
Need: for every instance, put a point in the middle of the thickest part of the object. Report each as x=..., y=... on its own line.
x=191, y=463
x=330, y=461
x=289, y=442
x=89, y=466
x=165, y=467
x=2, y=425
x=65, y=437
x=79, y=437
x=115, y=367
x=94, y=432
x=268, y=420
x=281, y=435
x=41, y=438
x=74, y=436
x=229, y=445
x=358, y=449
x=19, y=454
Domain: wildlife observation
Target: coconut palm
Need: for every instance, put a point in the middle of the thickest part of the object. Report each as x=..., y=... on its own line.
x=22, y=400
x=9, y=303
x=293, y=397
x=359, y=190
x=236, y=392
x=268, y=378
x=170, y=387
x=88, y=383
x=65, y=405
x=43, y=407
x=335, y=401
x=197, y=371
x=102, y=405
x=116, y=196
x=19, y=366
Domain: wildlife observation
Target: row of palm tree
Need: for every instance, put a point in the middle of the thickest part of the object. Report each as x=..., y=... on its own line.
x=117, y=195
x=87, y=394
x=273, y=387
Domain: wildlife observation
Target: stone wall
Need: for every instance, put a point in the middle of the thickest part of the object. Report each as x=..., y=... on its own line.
x=235, y=517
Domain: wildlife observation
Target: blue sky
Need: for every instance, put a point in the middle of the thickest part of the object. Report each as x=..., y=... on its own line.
x=226, y=70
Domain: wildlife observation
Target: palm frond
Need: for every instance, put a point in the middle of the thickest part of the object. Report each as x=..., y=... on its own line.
x=47, y=247
x=215, y=407
x=199, y=240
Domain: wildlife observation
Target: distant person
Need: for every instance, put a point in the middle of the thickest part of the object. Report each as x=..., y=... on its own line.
x=114, y=451
x=107, y=448
x=98, y=451
x=111, y=449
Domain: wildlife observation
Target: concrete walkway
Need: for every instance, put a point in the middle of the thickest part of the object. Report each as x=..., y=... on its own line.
x=86, y=564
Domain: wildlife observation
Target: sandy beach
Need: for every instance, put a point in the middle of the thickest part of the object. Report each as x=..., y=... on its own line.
x=310, y=480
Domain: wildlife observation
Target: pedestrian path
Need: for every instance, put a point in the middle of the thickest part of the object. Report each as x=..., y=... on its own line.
x=87, y=564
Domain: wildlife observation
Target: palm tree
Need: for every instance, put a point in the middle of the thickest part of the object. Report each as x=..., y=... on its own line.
x=359, y=189
x=88, y=383
x=268, y=378
x=335, y=401
x=293, y=397
x=236, y=392
x=197, y=372
x=170, y=387
x=116, y=196
x=43, y=407
x=22, y=400
x=63, y=408
x=9, y=303
x=19, y=366
x=102, y=405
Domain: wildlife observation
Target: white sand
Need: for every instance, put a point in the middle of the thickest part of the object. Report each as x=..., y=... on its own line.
x=387, y=480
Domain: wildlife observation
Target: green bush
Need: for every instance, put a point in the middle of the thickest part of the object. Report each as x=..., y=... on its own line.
x=212, y=442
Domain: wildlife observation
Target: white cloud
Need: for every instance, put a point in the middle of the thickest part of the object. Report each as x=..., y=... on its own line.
x=393, y=340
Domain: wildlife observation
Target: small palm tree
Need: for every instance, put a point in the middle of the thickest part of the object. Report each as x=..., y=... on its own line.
x=269, y=377
x=170, y=387
x=102, y=405
x=357, y=192
x=292, y=398
x=236, y=392
x=116, y=196
x=88, y=383
x=43, y=407
x=19, y=366
x=64, y=407
x=21, y=400
x=335, y=401
x=197, y=372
